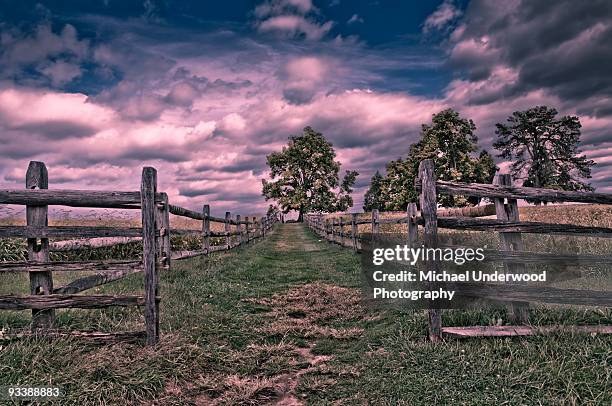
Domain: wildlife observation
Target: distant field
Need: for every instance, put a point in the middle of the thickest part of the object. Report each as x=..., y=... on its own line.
x=597, y=215
x=579, y=214
x=16, y=249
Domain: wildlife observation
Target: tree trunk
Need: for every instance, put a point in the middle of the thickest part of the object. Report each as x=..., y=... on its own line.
x=301, y=216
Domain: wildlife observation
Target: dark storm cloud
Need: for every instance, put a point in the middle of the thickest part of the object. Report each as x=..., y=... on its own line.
x=562, y=46
x=193, y=192
x=219, y=192
x=56, y=129
x=255, y=163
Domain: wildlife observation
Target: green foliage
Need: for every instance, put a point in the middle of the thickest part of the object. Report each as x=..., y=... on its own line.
x=398, y=185
x=450, y=141
x=373, y=198
x=305, y=176
x=544, y=149
x=273, y=211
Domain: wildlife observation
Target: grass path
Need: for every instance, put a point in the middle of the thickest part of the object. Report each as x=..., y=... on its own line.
x=280, y=323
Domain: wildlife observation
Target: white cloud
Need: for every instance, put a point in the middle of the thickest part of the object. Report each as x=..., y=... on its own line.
x=60, y=72
x=293, y=26
x=291, y=18
x=446, y=13
x=355, y=19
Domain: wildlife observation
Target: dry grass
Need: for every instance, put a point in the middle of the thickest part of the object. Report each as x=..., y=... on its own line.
x=16, y=249
x=308, y=310
x=596, y=215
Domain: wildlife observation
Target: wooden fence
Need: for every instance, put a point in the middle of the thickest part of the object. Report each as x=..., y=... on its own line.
x=513, y=255
x=156, y=249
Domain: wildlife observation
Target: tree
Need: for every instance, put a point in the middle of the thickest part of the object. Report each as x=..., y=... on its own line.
x=304, y=176
x=374, y=198
x=484, y=172
x=273, y=211
x=450, y=141
x=398, y=185
x=544, y=149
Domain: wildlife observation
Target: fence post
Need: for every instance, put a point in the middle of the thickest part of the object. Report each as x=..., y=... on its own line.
x=333, y=233
x=411, y=213
x=41, y=283
x=327, y=231
x=341, y=231
x=375, y=224
x=163, y=222
x=206, y=229
x=228, y=238
x=239, y=229
x=518, y=311
x=428, y=211
x=148, y=188
x=354, y=230
x=262, y=225
x=322, y=229
x=246, y=229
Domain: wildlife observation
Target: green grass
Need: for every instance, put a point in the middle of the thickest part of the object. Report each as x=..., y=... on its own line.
x=282, y=319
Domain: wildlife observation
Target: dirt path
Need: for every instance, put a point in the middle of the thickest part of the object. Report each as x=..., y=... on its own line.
x=293, y=237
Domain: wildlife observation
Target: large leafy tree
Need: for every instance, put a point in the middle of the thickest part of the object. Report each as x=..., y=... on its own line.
x=304, y=176
x=544, y=149
x=374, y=198
x=450, y=141
x=398, y=185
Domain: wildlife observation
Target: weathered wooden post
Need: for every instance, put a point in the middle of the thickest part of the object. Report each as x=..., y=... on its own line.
x=246, y=229
x=375, y=223
x=228, y=237
x=148, y=189
x=327, y=231
x=518, y=311
x=206, y=229
x=333, y=230
x=239, y=229
x=429, y=205
x=341, y=231
x=41, y=283
x=411, y=214
x=262, y=225
x=354, y=230
x=163, y=222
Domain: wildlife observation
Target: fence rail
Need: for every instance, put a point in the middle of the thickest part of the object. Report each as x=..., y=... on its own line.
x=154, y=235
x=513, y=254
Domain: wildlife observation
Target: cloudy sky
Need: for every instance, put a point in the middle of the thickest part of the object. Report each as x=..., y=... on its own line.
x=203, y=90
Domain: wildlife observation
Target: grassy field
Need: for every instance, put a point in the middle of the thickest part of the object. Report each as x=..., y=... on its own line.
x=16, y=249
x=280, y=322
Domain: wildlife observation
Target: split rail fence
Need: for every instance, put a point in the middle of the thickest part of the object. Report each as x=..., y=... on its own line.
x=513, y=254
x=157, y=252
